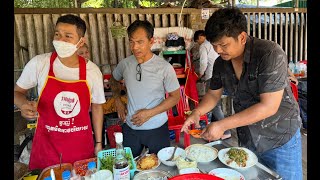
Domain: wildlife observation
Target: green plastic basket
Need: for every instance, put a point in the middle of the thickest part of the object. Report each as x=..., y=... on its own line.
x=103, y=154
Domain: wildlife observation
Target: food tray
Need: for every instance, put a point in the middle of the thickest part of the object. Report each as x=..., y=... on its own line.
x=112, y=152
x=81, y=166
x=256, y=172
x=57, y=170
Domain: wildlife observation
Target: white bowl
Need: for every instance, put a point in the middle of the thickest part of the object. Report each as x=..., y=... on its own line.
x=201, y=153
x=104, y=174
x=165, y=153
x=189, y=170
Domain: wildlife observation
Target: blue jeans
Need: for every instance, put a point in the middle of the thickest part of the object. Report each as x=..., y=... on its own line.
x=286, y=160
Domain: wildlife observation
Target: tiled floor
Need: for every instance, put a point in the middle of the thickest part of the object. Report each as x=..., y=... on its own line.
x=234, y=142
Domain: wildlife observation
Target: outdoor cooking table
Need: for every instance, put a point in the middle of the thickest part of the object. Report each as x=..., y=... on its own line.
x=257, y=172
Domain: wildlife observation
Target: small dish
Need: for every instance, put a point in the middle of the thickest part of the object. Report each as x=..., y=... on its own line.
x=196, y=133
x=166, y=152
x=227, y=174
x=189, y=170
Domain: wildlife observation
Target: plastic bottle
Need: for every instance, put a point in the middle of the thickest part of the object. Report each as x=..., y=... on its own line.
x=303, y=69
x=92, y=168
x=47, y=178
x=66, y=175
x=121, y=169
x=291, y=66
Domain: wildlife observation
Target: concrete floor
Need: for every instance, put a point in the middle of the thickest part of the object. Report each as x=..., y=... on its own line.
x=234, y=142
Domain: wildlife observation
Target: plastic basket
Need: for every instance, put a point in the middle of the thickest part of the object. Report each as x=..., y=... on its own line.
x=110, y=133
x=195, y=176
x=112, y=152
x=81, y=166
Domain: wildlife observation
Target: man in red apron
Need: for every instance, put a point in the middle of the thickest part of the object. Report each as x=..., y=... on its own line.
x=63, y=124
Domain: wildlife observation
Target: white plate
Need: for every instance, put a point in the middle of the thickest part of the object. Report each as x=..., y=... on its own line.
x=189, y=170
x=201, y=153
x=159, y=162
x=227, y=174
x=252, y=158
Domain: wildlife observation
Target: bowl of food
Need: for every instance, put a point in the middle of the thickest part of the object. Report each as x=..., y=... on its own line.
x=201, y=153
x=166, y=153
x=183, y=163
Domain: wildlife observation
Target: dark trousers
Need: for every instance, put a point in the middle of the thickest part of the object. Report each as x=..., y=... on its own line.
x=154, y=139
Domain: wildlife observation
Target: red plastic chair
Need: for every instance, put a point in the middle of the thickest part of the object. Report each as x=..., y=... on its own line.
x=294, y=89
x=203, y=117
x=186, y=107
x=175, y=122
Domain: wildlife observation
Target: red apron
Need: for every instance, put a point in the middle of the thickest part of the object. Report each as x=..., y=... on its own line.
x=63, y=125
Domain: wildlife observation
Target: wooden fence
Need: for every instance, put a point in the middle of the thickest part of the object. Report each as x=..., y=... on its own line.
x=34, y=30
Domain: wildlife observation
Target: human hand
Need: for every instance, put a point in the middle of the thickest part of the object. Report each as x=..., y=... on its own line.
x=121, y=109
x=294, y=80
x=29, y=110
x=213, y=131
x=194, y=118
x=141, y=116
x=97, y=148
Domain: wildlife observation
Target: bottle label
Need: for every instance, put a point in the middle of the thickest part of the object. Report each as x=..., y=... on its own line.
x=121, y=174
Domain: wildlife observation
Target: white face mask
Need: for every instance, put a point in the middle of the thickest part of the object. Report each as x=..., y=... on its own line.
x=65, y=49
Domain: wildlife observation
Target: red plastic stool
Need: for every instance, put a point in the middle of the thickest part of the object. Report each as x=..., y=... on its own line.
x=110, y=132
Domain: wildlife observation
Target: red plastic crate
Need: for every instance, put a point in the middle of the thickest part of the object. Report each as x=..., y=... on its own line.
x=81, y=166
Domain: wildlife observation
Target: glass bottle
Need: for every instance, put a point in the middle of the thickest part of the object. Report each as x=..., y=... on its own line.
x=121, y=166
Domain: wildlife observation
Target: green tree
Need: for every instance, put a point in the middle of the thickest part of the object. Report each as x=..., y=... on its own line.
x=44, y=3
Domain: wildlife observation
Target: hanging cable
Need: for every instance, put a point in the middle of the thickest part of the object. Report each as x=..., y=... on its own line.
x=184, y=2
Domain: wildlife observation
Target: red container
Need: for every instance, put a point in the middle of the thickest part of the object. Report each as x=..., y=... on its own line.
x=195, y=176
x=110, y=132
x=179, y=70
x=81, y=166
x=107, y=76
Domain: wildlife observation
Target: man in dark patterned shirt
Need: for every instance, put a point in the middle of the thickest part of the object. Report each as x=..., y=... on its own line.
x=254, y=72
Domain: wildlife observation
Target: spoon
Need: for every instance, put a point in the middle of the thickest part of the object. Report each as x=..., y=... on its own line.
x=174, y=151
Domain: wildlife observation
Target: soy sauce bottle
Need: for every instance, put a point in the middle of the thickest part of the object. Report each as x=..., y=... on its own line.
x=121, y=166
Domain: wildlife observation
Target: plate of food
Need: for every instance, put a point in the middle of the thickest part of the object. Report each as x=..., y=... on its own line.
x=237, y=157
x=148, y=162
x=227, y=174
x=201, y=153
x=196, y=133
